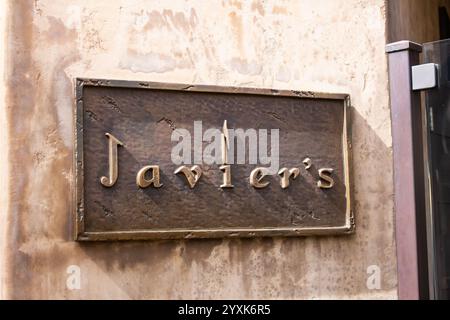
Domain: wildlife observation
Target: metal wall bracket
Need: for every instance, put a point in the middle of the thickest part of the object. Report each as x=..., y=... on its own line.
x=424, y=76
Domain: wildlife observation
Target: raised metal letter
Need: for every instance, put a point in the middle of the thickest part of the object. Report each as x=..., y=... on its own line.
x=324, y=174
x=286, y=175
x=226, y=169
x=256, y=176
x=144, y=183
x=113, y=162
x=192, y=175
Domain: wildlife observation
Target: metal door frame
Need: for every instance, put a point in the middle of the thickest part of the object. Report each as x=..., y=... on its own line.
x=409, y=173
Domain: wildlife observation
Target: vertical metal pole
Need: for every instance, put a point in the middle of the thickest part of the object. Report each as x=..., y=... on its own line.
x=409, y=184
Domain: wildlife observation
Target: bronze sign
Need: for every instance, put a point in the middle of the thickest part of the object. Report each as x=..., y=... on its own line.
x=128, y=185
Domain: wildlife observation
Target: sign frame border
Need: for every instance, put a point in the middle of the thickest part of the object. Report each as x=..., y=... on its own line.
x=79, y=232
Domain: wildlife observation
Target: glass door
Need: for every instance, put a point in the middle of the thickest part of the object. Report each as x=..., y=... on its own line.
x=437, y=165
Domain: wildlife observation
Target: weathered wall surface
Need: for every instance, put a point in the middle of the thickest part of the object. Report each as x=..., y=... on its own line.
x=415, y=20
x=318, y=45
x=4, y=172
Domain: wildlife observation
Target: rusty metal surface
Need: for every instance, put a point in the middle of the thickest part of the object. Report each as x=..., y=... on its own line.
x=143, y=116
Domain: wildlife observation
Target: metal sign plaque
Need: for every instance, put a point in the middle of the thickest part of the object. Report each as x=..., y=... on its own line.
x=145, y=162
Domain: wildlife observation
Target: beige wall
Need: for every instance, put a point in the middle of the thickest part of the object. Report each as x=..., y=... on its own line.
x=415, y=20
x=318, y=45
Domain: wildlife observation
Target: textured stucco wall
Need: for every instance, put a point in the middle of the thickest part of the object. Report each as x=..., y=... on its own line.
x=415, y=20
x=318, y=45
x=4, y=172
